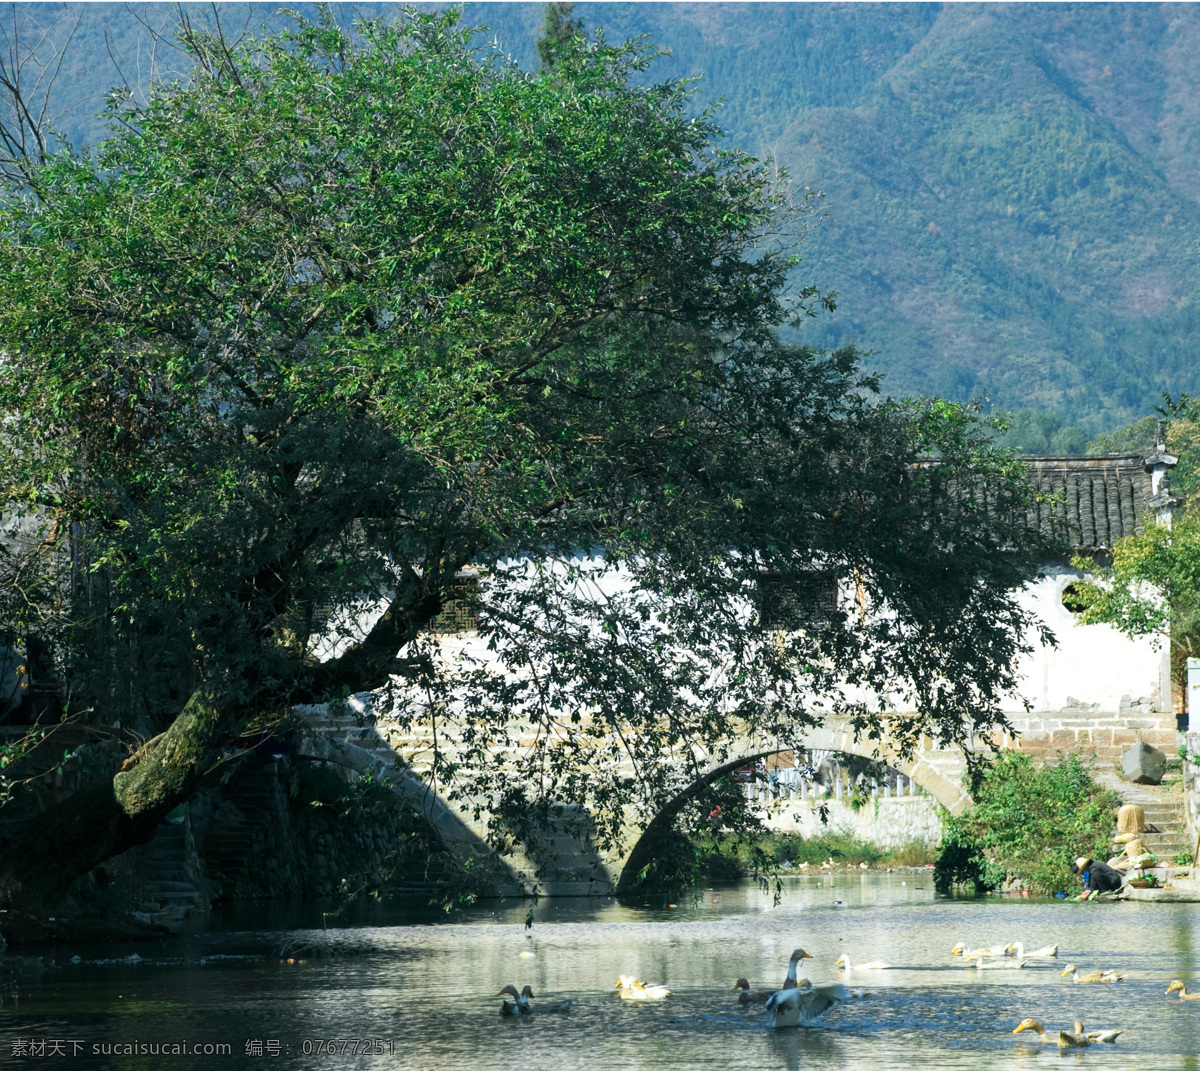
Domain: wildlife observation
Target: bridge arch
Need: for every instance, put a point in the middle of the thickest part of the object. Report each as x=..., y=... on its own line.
x=943, y=788
x=569, y=863
x=466, y=844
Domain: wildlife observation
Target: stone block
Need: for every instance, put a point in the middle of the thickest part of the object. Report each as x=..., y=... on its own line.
x=1124, y=737
x=1036, y=747
x=1144, y=765
x=1062, y=738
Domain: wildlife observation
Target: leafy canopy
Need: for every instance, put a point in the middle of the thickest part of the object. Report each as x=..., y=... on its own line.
x=348, y=313
x=558, y=29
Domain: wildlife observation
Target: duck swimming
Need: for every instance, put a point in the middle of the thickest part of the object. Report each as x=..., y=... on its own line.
x=1046, y=952
x=1064, y=1039
x=961, y=949
x=1103, y=1037
x=554, y=1009
x=1092, y=978
x=746, y=995
x=1183, y=993
x=632, y=989
x=520, y=1005
x=844, y=963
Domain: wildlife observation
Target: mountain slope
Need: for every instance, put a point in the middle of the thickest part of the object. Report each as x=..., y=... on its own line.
x=1002, y=228
x=1012, y=191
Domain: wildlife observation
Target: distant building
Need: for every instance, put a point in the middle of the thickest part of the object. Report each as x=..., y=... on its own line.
x=1096, y=675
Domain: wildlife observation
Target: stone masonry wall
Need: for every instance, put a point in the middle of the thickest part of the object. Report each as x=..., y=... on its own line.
x=1084, y=728
x=1191, y=786
x=886, y=822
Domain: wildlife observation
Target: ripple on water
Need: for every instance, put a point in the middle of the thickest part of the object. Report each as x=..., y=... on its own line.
x=428, y=990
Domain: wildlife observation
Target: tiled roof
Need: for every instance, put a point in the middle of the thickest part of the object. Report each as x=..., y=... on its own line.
x=1099, y=498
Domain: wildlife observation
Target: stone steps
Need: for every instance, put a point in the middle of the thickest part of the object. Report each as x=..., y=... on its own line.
x=170, y=894
x=189, y=896
x=1164, y=839
x=1163, y=807
x=239, y=835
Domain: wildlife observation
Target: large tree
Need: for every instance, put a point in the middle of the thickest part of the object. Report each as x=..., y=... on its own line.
x=346, y=313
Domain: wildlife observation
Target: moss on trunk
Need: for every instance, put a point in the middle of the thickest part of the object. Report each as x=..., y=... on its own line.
x=106, y=817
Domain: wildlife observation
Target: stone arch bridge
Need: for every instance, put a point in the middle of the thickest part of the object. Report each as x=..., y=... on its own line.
x=564, y=862
x=1095, y=692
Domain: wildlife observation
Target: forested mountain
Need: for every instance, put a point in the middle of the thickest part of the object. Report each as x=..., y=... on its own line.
x=1010, y=191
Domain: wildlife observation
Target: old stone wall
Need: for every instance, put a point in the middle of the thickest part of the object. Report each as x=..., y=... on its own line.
x=891, y=822
x=1191, y=786
x=280, y=831
x=1086, y=729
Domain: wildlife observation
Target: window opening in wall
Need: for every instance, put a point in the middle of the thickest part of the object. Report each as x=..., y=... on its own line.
x=460, y=611
x=1072, y=598
x=788, y=603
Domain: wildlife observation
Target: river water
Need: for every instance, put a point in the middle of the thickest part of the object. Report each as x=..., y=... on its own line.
x=419, y=986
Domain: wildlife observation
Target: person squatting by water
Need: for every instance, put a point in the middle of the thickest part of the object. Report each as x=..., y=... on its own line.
x=1097, y=877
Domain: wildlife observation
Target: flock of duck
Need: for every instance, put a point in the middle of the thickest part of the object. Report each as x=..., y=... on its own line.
x=796, y=1003
x=800, y=1003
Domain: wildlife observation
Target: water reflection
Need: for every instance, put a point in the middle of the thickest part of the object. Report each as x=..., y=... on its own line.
x=424, y=985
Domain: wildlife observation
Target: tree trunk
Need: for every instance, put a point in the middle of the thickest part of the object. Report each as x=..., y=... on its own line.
x=103, y=819
x=110, y=816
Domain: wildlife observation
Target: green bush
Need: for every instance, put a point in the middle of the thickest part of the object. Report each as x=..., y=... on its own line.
x=1027, y=824
x=771, y=851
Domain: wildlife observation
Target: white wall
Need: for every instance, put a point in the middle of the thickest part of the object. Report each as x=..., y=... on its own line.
x=1093, y=666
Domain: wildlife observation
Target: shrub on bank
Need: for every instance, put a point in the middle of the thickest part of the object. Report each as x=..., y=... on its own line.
x=773, y=850
x=681, y=862
x=1027, y=824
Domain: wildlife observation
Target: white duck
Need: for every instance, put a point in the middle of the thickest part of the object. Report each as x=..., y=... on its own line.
x=1103, y=1037
x=802, y=1003
x=1092, y=978
x=844, y=964
x=1045, y=952
x=631, y=989
x=961, y=949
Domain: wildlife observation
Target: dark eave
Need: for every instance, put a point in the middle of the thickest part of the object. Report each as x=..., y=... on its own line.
x=1097, y=499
